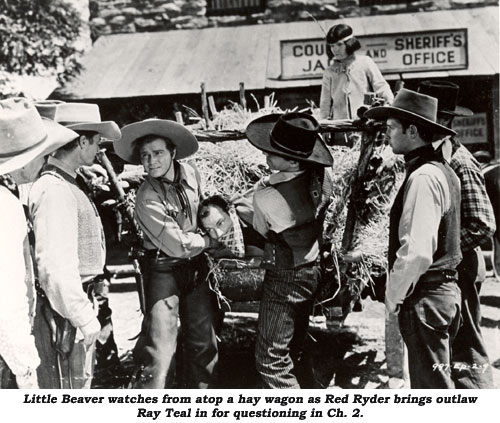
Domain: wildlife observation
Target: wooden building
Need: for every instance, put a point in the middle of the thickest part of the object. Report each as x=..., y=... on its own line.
x=134, y=76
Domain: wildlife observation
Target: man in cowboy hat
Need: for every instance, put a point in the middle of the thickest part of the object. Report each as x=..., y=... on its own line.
x=424, y=240
x=70, y=250
x=471, y=368
x=174, y=267
x=25, y=138
x=289, y=211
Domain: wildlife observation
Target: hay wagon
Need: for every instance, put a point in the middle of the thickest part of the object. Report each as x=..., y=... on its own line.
x=357, y=219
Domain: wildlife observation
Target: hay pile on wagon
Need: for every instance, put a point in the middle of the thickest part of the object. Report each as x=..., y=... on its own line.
x=232, y=167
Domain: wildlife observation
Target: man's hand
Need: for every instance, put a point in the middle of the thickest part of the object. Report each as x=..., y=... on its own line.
x=91, y=332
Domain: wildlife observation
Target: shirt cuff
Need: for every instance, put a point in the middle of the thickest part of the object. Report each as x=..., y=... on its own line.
x=391, y=307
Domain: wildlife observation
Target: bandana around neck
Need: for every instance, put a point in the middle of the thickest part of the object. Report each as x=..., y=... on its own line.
x=233, y=240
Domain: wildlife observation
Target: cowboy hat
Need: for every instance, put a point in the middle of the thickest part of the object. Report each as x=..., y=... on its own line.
x=185, y=142
x=25, y=135
x=447, y=95
x=78, y=117
x=415, y=107
x=291, y=135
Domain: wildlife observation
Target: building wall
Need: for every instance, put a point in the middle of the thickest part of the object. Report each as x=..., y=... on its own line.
x=119, y=16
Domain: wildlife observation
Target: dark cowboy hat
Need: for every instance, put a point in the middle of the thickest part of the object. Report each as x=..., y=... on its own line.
x=414, y=107
x=447, y=95
x=290, y=135
x=185, y=142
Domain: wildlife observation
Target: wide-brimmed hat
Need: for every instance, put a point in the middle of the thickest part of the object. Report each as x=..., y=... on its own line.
x=290, y=135
x=25, y=135
x=79, y=117
x=414, y=107
x=447, y=96
x=185, y=142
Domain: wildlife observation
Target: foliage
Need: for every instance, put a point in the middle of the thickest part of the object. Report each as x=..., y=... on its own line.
x=38, y=38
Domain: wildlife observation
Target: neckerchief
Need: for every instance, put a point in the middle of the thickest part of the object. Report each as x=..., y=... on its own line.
x=233, y=240
x=180, y=196
x=7, y=181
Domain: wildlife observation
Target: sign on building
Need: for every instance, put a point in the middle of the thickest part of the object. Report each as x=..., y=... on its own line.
x=472, y=129
x=393, y=53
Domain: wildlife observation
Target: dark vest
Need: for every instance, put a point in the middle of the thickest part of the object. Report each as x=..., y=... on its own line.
x=308, y=197
x=447, y=255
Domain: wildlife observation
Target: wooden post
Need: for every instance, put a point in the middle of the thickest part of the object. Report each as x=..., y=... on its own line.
x=204, y=106
x=211, y=105
x=243, y=100
x=267, y=102
x=178, y=118
x=365, y=154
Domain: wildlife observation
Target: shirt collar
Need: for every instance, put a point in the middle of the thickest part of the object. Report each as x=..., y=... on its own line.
x=185, y=176
x=61, y=165
x=279, y=177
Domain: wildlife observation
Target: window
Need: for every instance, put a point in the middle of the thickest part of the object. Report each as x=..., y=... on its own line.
x=235, y=7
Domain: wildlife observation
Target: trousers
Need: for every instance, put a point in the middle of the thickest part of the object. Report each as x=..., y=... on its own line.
x=471, y=366
x=57, y=371
x=176, y=292
x=429, y=320
x=286, y=304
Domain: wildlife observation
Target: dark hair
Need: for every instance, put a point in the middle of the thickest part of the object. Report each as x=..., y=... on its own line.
x=145, y=139
x=338, y=32
x=425, y=132
x=214, y=200
x=76, y=142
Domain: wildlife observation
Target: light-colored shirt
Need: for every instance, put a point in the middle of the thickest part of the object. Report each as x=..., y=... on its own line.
x=346, y=82
x=162, y=220
x=426, y=199
x=54, y=212
x=271, y=210
x=17, y=345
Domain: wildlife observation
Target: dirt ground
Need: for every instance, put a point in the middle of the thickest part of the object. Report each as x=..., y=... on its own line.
x=347, y=357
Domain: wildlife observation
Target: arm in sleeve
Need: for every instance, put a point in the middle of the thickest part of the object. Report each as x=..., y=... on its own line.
x=378, y=82
x=17, y=345
x=54, y=212
x=260, y=222
x=325, y=100
x=477, y=219
x=418, y=235
x=164, y=232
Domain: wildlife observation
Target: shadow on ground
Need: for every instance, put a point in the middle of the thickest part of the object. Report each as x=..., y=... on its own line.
x=335, y=353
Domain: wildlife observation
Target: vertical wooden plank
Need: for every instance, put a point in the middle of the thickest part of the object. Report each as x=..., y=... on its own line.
x=243, y=100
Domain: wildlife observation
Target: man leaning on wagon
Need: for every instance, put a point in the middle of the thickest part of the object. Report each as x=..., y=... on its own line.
x=70, y=250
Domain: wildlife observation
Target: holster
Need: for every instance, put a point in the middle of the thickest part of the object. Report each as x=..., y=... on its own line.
x=62, y=332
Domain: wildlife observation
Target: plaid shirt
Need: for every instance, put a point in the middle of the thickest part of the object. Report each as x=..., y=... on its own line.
x=233, y=240
x=477, y=219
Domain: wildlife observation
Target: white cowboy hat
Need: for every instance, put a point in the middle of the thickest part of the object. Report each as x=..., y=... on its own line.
x=25, y=135
x=185, y=142
x=79, y=117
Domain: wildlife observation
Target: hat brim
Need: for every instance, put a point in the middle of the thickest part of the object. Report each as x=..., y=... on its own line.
x=385, y=112
x=108, y=129
x=258, y=133
x=185, y=142
x=459, y=111
x=57, y=136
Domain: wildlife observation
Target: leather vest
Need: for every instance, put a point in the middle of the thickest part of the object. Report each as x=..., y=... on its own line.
x=308, y=197
x=447, y=255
